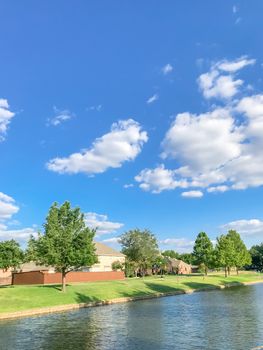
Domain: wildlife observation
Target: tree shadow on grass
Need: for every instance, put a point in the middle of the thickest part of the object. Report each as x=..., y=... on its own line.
x=162, y=288
x=200, y=286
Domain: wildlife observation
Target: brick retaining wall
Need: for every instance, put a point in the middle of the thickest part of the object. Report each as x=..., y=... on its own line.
x=43, y=277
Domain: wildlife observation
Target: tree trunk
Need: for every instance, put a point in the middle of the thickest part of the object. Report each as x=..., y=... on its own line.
x=228, y=271
x=64, y=281
x=237, y=271
x=206, y=270
x=225, y=271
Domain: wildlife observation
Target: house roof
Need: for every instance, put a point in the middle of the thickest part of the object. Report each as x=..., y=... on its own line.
x=102, y=249
x=177, y=263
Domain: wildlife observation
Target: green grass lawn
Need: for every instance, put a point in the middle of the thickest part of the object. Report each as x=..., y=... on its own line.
x=17, y=298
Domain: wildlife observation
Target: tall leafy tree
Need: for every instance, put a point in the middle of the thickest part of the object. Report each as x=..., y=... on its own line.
x=241, y=255
x=203, y=251
x=171, y=254
x=140, y=247
x=257, y=257
x=67, y=244
x=225, y=252
x=187, y=258
x=11, y=255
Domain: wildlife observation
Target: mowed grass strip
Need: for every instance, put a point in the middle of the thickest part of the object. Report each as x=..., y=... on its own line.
x=18, y=298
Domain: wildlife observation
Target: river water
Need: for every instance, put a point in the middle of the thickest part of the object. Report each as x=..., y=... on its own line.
x=230, y=319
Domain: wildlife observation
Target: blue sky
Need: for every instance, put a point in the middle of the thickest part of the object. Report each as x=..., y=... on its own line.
x=145, y=115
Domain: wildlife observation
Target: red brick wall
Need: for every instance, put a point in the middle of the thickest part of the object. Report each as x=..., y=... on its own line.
x=34, y=277
x=84, y=276
x=37, y=277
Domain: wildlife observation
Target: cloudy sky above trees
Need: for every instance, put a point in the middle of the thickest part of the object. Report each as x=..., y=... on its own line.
x=147, y=117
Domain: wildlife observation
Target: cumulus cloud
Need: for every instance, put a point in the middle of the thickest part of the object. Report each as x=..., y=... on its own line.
x=168, y=68
x=219, y=150
x=216, y=84
x=250, y=227
x=181, y=245
x=60, y=117
x=152, y=99
x=5, y=118
x=159, y=179
x=101, y=223
x=123, y=143
x=8, y=208
x=192, y=194
x=21, y=235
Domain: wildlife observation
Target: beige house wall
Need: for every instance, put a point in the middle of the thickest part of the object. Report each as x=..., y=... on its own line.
x=5, y=274
x=105, y=263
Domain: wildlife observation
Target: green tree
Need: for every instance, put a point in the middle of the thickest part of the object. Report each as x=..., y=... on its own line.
x=11, y=255
x=67, y=244
x=257, y=257
x=171, y=254
x=187, y=258
x=140, y=248
x=225, y=252
x=203, y=251
x=117, y=265
x=241, y=255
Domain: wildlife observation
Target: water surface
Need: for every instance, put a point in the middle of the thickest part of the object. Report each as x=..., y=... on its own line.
x=231, y=319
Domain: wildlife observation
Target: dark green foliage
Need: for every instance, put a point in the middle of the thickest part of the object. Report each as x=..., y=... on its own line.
x=203, y=251
x=231, y=252
x=241, y=255
x=67, y=244
x=11, y=255
x=257, y=257
x=187, y=258
x=117, y=265
x=140, y=248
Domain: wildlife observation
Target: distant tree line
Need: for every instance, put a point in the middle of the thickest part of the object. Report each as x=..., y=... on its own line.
x=67, y=244
x=142, y=253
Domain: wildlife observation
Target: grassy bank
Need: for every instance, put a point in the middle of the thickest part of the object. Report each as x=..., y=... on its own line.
x=17, y=298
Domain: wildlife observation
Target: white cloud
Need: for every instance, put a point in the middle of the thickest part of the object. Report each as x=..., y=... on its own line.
x=181, y=245
x=215, y=84
x=245, y=227
x=59, y=117
x=192, y=194
x=21, y=235
x=8, y=208
x=168, y=68
x=101, y=223
x=159, y=179
x=233, y=66
x=222, y=188
x=219, y=150
x=152, y=99
x=128, y=185
x=5, y=118
x=111, y=240
x=204, y=141
x=123, y=143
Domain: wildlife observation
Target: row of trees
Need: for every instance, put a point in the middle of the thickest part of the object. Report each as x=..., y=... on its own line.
x=67, y=244
x=230, y=251
x=142, y=252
